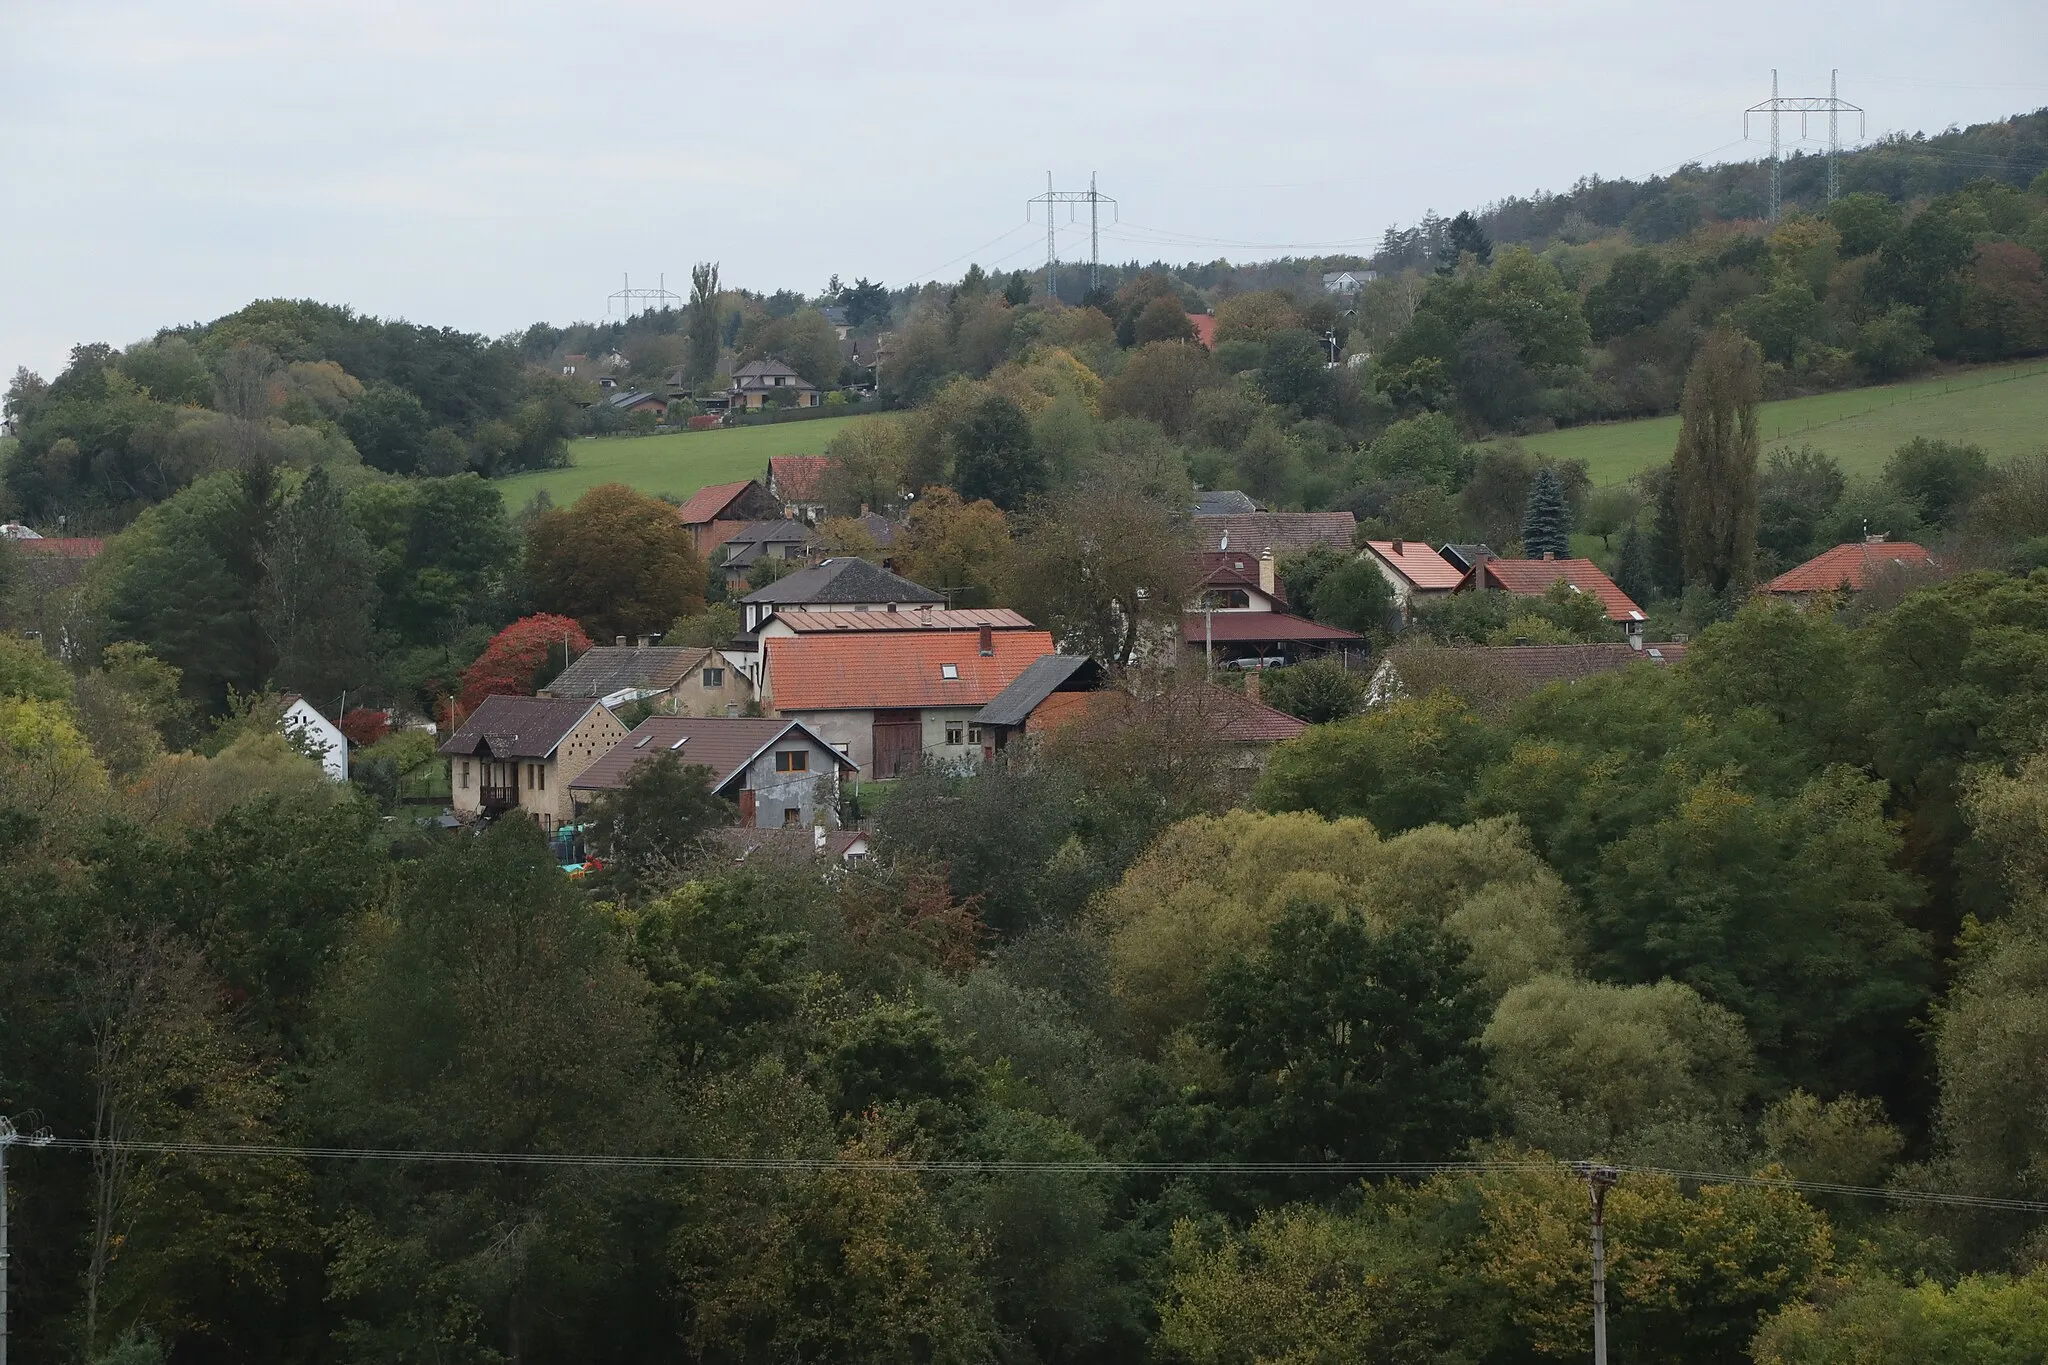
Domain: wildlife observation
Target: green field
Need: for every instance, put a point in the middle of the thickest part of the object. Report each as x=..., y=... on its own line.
x=2003, y=408
x=677, y=464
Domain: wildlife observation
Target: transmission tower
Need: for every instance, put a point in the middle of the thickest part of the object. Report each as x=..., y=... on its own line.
x=1094, y=200
x=1803, y=105
x=627, y=296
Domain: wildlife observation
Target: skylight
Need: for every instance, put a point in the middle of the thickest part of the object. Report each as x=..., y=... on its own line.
x=680, y=743
x=641, y=742
x=949, y=670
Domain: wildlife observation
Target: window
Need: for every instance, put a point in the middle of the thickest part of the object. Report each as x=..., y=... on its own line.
x=1226, y=599
x=792, y=761
x=529, y=777
x=714, y=677
x=540, y=773
x=792, y=817
x=974, y=734
x=954, y=732
x=949, y=671
x=465, y=774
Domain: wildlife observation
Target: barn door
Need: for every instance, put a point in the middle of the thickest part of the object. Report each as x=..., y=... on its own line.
x=899, y=743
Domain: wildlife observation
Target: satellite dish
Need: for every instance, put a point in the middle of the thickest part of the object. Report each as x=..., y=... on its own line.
x=1225, y=543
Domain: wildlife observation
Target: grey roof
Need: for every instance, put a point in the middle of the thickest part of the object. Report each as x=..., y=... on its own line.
x=626, y=398
x=753, y=374
x=880, y=527
x=726, y=745
x=517, y=727
x=834, y=315
x=1465, y=556
x=1282, y=532
x=1041, y=678
x=843, y=579
x=746, y=545
x=1220, y=502
x=612, y=668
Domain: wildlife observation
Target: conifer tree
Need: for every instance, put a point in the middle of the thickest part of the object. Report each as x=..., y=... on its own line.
x=1714, y=466
x=1633, y=576
x=1547, y=524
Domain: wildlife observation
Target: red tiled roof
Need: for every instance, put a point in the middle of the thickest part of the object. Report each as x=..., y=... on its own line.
x=1205, y=329
x=1534, y=577
x=706, y=503
x=960, y=618
x=797, y=478
x=1237, y=627
x=1252, y=721
x=62, y=547
x=864, y=672
x=1850, y=566
x=1415, y=561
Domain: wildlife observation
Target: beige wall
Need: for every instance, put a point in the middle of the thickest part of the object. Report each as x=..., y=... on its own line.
x=690, y=697
x=543, y=784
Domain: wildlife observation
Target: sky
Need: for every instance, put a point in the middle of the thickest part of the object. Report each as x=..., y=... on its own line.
x=486, y=166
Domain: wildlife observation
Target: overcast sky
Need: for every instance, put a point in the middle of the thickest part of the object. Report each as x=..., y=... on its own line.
x=489, y=165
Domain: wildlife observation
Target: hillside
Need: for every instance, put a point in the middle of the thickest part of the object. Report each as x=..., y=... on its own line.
x=2003, y=408
x=675, y=465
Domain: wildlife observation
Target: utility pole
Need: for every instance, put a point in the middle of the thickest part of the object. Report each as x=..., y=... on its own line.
x=10, y=1135
x=627, y=296
x=1599, y=1179
x=1094, y=199
x=1833, y=105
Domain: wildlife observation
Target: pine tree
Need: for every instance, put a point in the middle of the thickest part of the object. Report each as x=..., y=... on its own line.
x=1633, y=576
x=1714, y=466
x=1666, y=554
x=1547, y=524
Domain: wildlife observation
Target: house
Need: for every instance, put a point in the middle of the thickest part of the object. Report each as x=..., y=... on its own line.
x=798, y=483
x=521, y=753
x=1414, y=571
x=1518, y=670
x=748, y=546
x=681, y=680
x=780, y=773
x=1051, y=688
x=1851, y=567
x=1283, y=533
x=1218, y=502
x=319, y=736
x=1237, y=580
x=841, y=323
x=1261, y=639
x=890, y=700
x=824, y=621
x=842, y=583
x=1348, y=283
x=1535, y=577
x=793, y=846
x=715, y=513
x=1205, y=329
x=1465, y=556
x=635, y=400
x=757, y=382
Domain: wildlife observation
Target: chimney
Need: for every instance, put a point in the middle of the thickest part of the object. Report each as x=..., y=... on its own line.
x=988, y=640
x=1266, y=571
x=1635, y=634
x=618, y=639
x=1400, y=546
x=646, y=640
x=817, y=838
x=863, y=509
x=1549, y=555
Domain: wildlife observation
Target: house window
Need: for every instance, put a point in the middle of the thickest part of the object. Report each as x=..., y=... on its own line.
x=949, y=671
x=465, y=774
x=1226, y=599
x=792, y=817
x=954, y=732
x=974, y=734
x=529, y=777
x=714, y=677
x=792, y=761
x=540, y=775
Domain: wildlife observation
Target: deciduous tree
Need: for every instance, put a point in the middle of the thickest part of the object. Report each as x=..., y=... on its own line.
x=1715, y=466
x=618, y=561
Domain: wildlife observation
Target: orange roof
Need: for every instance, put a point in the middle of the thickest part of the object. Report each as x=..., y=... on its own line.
x=797, y=476
x=1205, y=328
x=61, y=547
x=865, y=672
x=1534, y=577
x=706, y=503
x=1850, y=566
x=1416, y=562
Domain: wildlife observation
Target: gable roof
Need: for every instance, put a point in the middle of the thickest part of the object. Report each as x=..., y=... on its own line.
x=627, y=398
x=707, y=502
x=726, y=745
x=797, y=477
x=1284, y=532
x=1222, y=502
x=750, y=542
x=767, y=374
x=1205, y=329
x=918, y=618
x=606, y=669
x=1416, y=562
x=756, y=369
x=844, y=579
x=1465, y=556
x=1229, y=714
x=1851, y=566
x=1240, y=627
x=1249, y=720
x=1041, y=678
x=896, y=670
x=518, y=727
x=1534, y=577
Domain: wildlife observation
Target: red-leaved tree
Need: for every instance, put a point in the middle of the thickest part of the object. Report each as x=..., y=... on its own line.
x=364, y=726
x=511, y=663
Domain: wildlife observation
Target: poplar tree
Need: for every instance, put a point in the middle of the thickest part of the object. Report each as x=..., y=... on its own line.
x=702, y=330
x=1633, y=575
x=1715, y=465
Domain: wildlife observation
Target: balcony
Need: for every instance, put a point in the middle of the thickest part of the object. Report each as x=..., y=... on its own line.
x=496, y=800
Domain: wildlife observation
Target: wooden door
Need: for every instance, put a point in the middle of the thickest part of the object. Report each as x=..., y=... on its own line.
x=899, y=743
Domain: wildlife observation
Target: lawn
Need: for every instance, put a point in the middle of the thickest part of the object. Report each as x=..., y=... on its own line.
x=678, y=464
x=2003, y=408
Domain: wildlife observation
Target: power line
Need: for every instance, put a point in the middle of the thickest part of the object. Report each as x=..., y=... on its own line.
x=1833, y=106
x=1094, y=199
x=798, y=1164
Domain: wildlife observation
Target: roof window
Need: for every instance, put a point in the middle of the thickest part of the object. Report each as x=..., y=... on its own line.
x=949, y=670
x=680, y=743
x=641, y=742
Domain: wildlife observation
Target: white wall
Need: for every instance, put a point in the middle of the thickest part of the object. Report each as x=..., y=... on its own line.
x=317, y=732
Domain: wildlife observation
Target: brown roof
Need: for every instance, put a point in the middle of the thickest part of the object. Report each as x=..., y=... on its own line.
x=517, y=727
x=61, y=547
x=1416, y=562
x=1235, y=569
x=611, y=668
x=897, y=669
x=809, y=622
x=706, y=503
x=725, y=745
x=1230, y=714
x=797, y=477
x=1534, y=577
x=1850, y=566
x=1285, y=532
x=1236, y=627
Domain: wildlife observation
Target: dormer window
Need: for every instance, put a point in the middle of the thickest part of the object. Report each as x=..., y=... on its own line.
x=949, y=671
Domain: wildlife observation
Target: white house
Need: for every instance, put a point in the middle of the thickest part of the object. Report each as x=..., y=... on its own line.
x=313, y=732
